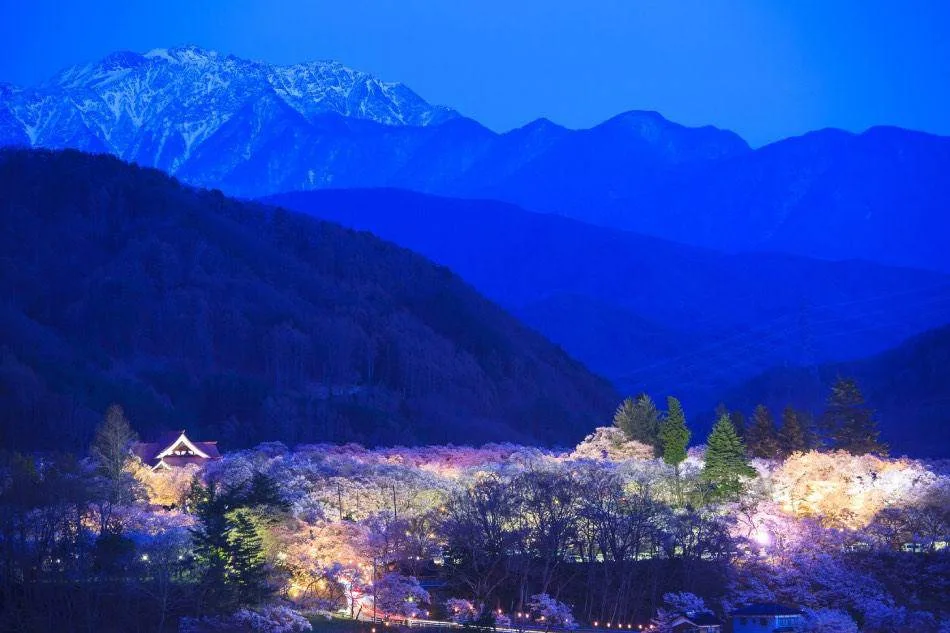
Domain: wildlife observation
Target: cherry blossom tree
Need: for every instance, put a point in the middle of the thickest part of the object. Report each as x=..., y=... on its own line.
x=400, y=595
x=551, y=612
x=676, y=605
x=461, y=610
x=829, y=621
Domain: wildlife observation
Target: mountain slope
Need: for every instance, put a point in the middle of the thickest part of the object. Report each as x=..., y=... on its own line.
x=648, y=313
x=881, y=195
x=906, y=385
x=247, y=323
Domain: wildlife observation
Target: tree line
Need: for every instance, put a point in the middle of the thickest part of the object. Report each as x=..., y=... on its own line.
x=847, y=424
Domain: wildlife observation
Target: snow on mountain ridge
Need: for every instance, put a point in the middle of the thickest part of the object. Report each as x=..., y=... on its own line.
x=157, y=108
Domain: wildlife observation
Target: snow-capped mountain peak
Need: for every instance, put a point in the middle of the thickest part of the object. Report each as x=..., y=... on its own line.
x=157, y=108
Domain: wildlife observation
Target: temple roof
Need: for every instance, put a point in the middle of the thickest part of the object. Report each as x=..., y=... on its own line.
x=153, y=453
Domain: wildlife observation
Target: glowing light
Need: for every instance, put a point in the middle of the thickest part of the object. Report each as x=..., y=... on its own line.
x=762, y=537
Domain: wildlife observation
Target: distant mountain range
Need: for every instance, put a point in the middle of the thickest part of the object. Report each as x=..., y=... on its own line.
x=248, y=324
x=907, y=385
x=254, y=129
x=160, y=108
x=650, y=314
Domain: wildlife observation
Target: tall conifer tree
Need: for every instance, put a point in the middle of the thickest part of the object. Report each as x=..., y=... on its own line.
x=849, y=422
x=726, y=462
x=674, y=438
x=639, y=420
x=738, y=422
x=246, y=565
x=761, y=438
x=792, y=436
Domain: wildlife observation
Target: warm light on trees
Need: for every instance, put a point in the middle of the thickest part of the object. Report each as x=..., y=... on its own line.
x=848, y=490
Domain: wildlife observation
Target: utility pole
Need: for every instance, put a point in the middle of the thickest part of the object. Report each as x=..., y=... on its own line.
x=339, y=499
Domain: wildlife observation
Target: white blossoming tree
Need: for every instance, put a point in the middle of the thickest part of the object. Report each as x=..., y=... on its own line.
x=551, y=612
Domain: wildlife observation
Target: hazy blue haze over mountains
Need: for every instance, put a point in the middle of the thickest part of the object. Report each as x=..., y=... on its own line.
x=647, y=313
x=253, y=129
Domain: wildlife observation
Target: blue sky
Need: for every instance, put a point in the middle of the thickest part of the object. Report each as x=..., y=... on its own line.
x=766, y=69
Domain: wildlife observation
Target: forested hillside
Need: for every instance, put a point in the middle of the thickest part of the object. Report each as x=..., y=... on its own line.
x=651, y=314
x=243, y=323
x=907, y=385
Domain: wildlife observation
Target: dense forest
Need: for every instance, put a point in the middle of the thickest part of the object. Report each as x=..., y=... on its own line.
x=245, y=323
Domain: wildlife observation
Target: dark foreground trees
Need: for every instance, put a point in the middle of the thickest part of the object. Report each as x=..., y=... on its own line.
x=230, y=566
x=81, y=549
x=585, y=538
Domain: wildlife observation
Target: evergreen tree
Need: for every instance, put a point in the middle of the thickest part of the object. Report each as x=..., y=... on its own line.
x=247, y=571
x=228, y=548
x=738, y=422
x=210, y=543
x=726, y=462
x=674, y=434
x=737, y=418
x=639, y=420
x=674, y=438
x=263, y=491
x=812, y=439
x=761, y=437
x=792, y=436
x=849, y=422
x=624, y=415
